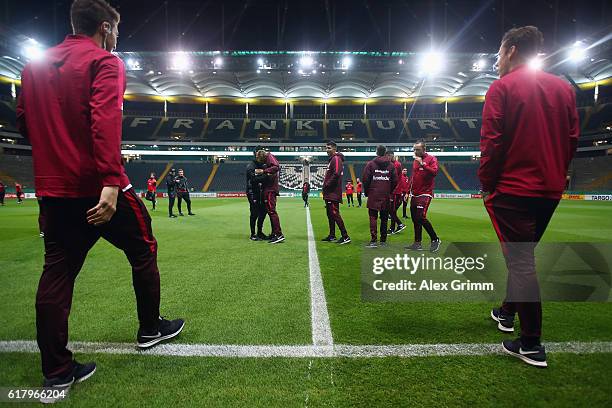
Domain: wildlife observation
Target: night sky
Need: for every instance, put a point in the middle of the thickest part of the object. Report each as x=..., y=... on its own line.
x=357, y=25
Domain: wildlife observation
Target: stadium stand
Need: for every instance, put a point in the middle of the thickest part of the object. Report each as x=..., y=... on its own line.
x=388, y=131
x=465, y=174
x=317, y=174
x=197, y=173
x=139, y=171
x=347, y=130
x=467, y=129
x=306, y=131
x=601, y=116
x=430, y=130
x=591, y=174
x=223, y=130
x=231, y=176
x=140, y=128
x=16, y=168
x=264, y=130
x=183, y=129
x=292, y=176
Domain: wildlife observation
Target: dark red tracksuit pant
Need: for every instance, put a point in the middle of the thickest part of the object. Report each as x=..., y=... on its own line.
x=384, y=217
x=270, y=200
x=418, y=213
x=394, y=204
x=521, y=220
x=68, y=238
x=334, y=217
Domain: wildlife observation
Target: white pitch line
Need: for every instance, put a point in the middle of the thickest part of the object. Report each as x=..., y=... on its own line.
x=305, y=351
x=321, y=329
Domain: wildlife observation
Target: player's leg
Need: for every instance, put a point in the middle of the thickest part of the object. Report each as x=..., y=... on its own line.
x=384, y=218
x=154, y=199
x=130, y=230
x=330, y=221
x=418, y=227
x=171, y=198
x=422, y=212
x=373, y=215
x=68, y=238
x=188, y=201
x=180, y=203
x=404, y=206
x=277, y=232
x=253, y=214
x=340, y=222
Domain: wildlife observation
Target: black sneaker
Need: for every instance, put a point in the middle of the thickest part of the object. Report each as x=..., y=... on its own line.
x=505, y=322
x=372, y=244
x=172, y=216
x=277, y=239
x=329, y=238
x=80, y=372
x=181, y=215
x=435, y=245
x=391, y=231
x=415, y=247
x=535, y=356
x=344, y=240
x=262, y=236
x=167, y=330
x=400, y=228
x=254, y=237
x=382, y=244
x=190, y=214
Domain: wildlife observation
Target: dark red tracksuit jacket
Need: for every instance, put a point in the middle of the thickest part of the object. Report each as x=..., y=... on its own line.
x=529, y=134
x=398, y=175
x=332, y=184
x=272, y=169
x=76, y=91
x=423, y=176
x=379, y=180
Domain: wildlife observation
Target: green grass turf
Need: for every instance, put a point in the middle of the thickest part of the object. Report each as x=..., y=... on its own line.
x=233, y=291
x=356, y=322
x=500, y=381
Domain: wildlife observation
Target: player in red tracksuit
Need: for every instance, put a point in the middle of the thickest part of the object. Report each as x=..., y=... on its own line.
x=332, y=194
x=271, y=191
x=528, y=138
x=305, y=192
x=19, y=193
x=69, y=108
x=396, y=196
x=2, y=192
x=152, y=190
x=405, y=191
x=379, y=179
x=424, y=171
x=359, y=188
x=349, y=194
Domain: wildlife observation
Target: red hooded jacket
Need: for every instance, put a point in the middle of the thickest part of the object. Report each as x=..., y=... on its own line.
x=70, y=108
x=272, y=169
x=332, y=184
x=423, y=176
x=379, y=181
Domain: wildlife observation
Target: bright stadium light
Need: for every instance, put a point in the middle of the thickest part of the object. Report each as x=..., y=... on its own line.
x=577, y=52
x=260, y=61
x=346, y=62
x=133, y=64
x=32, y=50
x=218, y=61
x=306, y=61
x=431, y=63
x=480, y=65
x=180, y=61
x=535, y=63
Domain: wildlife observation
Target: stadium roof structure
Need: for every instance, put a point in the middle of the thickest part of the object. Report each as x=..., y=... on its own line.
x=264, y=76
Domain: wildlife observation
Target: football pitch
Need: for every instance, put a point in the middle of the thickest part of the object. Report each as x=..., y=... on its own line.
x=284, y=325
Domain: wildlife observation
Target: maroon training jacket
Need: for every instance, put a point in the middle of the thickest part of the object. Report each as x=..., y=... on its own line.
x=379, y=180
x=529, y=134
x=272, y=170
x=70, y=109
x=332, y=184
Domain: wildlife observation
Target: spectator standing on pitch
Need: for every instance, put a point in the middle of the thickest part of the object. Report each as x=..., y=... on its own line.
x=182, y=192
x=332, y=194
x=2, y=192
x=171, y=188
x=405, y=190
x=271, y=191
x=19, y=193
x=424, y=171
x=359, y=188
x=152, y=190
x=254, y=193
x=70, y=106
x=349, y=194
x=379, y=180
x=396, y=196
x=305, y=193
x=528, y=138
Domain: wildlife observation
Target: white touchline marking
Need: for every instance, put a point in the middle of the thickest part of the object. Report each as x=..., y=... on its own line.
x=305, y=351
x=321, y=329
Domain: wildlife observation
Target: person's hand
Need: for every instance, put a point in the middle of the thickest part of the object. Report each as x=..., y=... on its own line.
x=104, y=211
x=418, y=159
x=259, y=171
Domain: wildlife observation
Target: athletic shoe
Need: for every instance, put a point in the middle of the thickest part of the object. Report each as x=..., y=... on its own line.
x=42, y=234
x=391, y=231
x=263, y=237
x=277, y=239
x=535, y=356
x=190, y=214
x=181, y=215
x=172, y=216
x=382, y=244
x=505, y=322
x=329, y=238
x=400, y=228
x=372, y=244
x=80, y=372
x=254, y=237
x=167, y=330
x=344, y=240
x=435, y=245
x=415, y=247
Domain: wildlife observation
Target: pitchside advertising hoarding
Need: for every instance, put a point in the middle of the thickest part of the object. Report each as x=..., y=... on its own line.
x=488, y=272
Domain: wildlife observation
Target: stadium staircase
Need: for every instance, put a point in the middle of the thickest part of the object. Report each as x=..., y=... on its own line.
x=449, y=177
x=210, y=178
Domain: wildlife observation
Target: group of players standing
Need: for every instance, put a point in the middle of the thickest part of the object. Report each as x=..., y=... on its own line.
x=384, y=182
x=178, y=187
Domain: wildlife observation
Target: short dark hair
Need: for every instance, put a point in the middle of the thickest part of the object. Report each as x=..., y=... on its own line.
x=528, y=40
x=422, y=143
x=332, y=144
x=381, y=150
x=390, y=153
x=87, y=15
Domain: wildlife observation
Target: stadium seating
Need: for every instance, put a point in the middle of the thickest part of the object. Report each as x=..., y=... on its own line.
x=140, y=128
x=601, y=115
x=291, y=176
x=430, y=130
x=468, y=129
x=465, y=174
x=223, y=130
x=138, y=173
x=16, y=169
x=317, y=175
x=388, y=131
x=264, y=130
x=591, y=174
x=349, y=130
x=183, y=129
x=230, y=176
x=306, y=131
